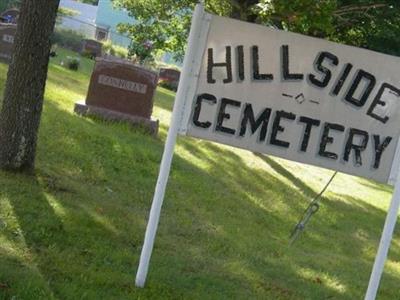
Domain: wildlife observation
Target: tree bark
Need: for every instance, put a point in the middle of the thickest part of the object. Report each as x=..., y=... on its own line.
x=26, y=81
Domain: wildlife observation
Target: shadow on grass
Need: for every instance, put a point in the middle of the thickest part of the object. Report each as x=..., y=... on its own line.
x=346, y=221
x=18, y=277
x=66, y=240
x=375, y=185
x=224, y=227
x=41, y=230
x=284, y=172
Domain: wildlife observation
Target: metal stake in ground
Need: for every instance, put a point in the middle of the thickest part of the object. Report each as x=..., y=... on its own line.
x=312, y=208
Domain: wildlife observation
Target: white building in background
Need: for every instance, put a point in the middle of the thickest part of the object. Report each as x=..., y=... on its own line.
x=96, y=22
x=84, y=21
x=100, y=23
x=107, y=20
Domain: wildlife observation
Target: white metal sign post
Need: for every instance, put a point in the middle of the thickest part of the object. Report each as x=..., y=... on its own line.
x=191, y=65
x=384, y=245
x=292, y=96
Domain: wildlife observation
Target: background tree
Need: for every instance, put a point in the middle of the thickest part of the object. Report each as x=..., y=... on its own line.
x=164, y=23
x=369, y=24
x=4, y=4
x=372, y=24
x=26, y=79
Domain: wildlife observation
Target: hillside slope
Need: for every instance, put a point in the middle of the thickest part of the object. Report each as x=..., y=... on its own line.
x=75, y=229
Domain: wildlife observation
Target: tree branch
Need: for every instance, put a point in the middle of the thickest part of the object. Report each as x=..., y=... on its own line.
x=358, y=8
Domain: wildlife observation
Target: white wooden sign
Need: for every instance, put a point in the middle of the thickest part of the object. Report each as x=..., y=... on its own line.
x=288, y=95
x=297, y=97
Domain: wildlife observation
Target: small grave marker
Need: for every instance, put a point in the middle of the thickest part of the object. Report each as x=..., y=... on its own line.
x=92, y=48
x=170, y=75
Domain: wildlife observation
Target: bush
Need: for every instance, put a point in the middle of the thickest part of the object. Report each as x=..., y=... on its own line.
x=172, y=86
x=107, y=45
x=87, y=54
x=114, y=50
x=69, y=39
x=121, y=52
x=73, y=63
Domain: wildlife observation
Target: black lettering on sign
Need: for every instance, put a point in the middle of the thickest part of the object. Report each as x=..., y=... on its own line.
x=227, y=64
x=276, y=128
x=345, y=73
x=262, y=120
x=379, y=148
x=361, y=74
x=222, y=115
x=357, y=148
x=240, y=58
x=327, y=74
x=326, y=139
x=256, y=66
x=197, y=109
x=285, y=66
x=378, y=101
x=307, y=131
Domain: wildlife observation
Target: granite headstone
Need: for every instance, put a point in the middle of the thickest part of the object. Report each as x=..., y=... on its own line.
x=171, y=76
x=7, y=36
x=120, y=90
x=92, y=48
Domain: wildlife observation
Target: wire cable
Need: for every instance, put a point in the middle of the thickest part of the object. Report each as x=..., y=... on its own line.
x=311, y=209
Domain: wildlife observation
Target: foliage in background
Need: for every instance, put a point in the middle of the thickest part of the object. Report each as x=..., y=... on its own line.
x=114, y=50
x=68, y=38
x=162, y=24
x=369, y=24
x=377, y=29
x=5, y=4
x=142, y=51
x=65, y=12
x=364, y=23
x=72, y=63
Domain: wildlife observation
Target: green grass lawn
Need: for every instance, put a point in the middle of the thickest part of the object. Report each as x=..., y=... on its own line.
x=75, y=229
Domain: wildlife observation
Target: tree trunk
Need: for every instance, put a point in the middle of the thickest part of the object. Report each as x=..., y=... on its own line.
x=26, y=80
